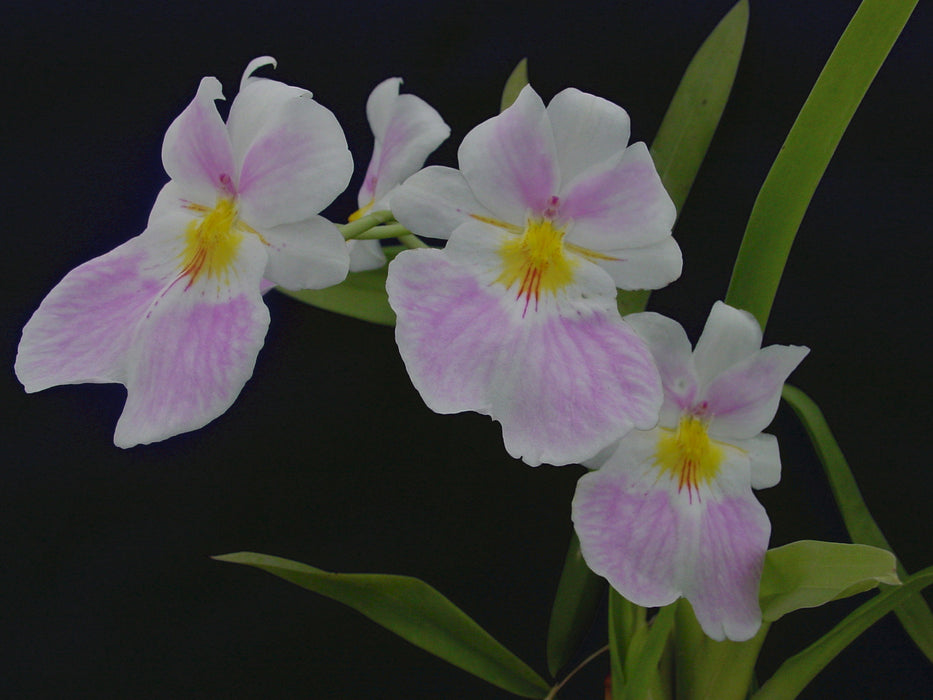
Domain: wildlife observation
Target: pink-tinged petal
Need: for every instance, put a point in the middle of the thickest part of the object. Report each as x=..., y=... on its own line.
x=744, y=398
x=628, y=526
x=265, y=286
x=380, y=105
x=729, y=336
x=723, y=582
x=193, y=352
x=407, y=130
x=365, y=255
x=587, y=130
x=765, y=458
x=82, y=329
x=292, y=153
x=309, y=254
x=562, y=386
x=435, y=201
x=655, y=543
x=510, y=161
x=196, y=151
x=619, y=204
x=673, y=356
x=650, y=267
x=476, y=245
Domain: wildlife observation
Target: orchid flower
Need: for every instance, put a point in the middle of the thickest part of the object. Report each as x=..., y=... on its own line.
x=516, y=318
x=407, y=130
x=175, y=314
x=670, y=511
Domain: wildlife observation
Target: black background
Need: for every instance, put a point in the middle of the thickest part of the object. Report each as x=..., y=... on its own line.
x=329, y=456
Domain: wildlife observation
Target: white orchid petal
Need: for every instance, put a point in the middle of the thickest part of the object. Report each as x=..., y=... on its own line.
x=196, y=151
x=407, y=130
x=730, y=336
x=562, y=384
x=435, y=201
x=309, y=254
x=619, y=204
x=510, y=160
x=291, y=151
x=587, y=130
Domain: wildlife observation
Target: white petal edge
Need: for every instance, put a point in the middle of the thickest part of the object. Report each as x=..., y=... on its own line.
x=435, y=201
x=587, y=130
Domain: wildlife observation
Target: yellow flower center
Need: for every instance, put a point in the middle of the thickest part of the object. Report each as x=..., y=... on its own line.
x=212, y=242
x=688, y=454
x=536, y=261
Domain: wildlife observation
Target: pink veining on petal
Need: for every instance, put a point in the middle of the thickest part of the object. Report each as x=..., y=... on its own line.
x=190, y=361
x=563, y=387
x=83, y=328
x=723, y=588
x=629, y=534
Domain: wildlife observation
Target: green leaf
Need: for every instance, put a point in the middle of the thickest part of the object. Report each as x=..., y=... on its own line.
x=626, y=622
x=795, y=673
x=416, y=612
x=578, y=594
x=709, y=669
x=802, y=160
x=516, y=81
x=693, y=115
x=808, y=574
x=642, y=672
x=691, y=119
x=914, y=614
x=361, y=295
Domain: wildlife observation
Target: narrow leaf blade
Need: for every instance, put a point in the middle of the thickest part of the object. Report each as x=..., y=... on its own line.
x=697, y=106
x=361, y=295
x=691, y=119
x=807, y=574
x=578, y=594
x=915, y=615
x=416, y=612
x=802, y=160
x=514, y=84
x=795, y=673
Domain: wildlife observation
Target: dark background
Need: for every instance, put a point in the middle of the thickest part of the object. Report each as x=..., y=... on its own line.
x=329, y=455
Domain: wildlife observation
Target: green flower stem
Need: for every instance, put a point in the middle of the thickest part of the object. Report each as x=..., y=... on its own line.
x=708, y=669
x=412, y=241
x=385, y=231
x=364, y=223
x=581, y=665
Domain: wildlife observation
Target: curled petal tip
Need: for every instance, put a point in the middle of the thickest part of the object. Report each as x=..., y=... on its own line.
x=255, y=65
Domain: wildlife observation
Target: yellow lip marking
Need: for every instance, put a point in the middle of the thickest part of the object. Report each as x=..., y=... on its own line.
x=689, y=454
x=212, y=242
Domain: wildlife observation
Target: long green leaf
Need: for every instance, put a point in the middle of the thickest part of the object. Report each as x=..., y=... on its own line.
x=807, y=574
x=578, y=594
x=799, y=166
x=691, y=119
x=416, y=612
x=361, y=295
x=514, y=84
x=914, y=614
x=795, y=673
